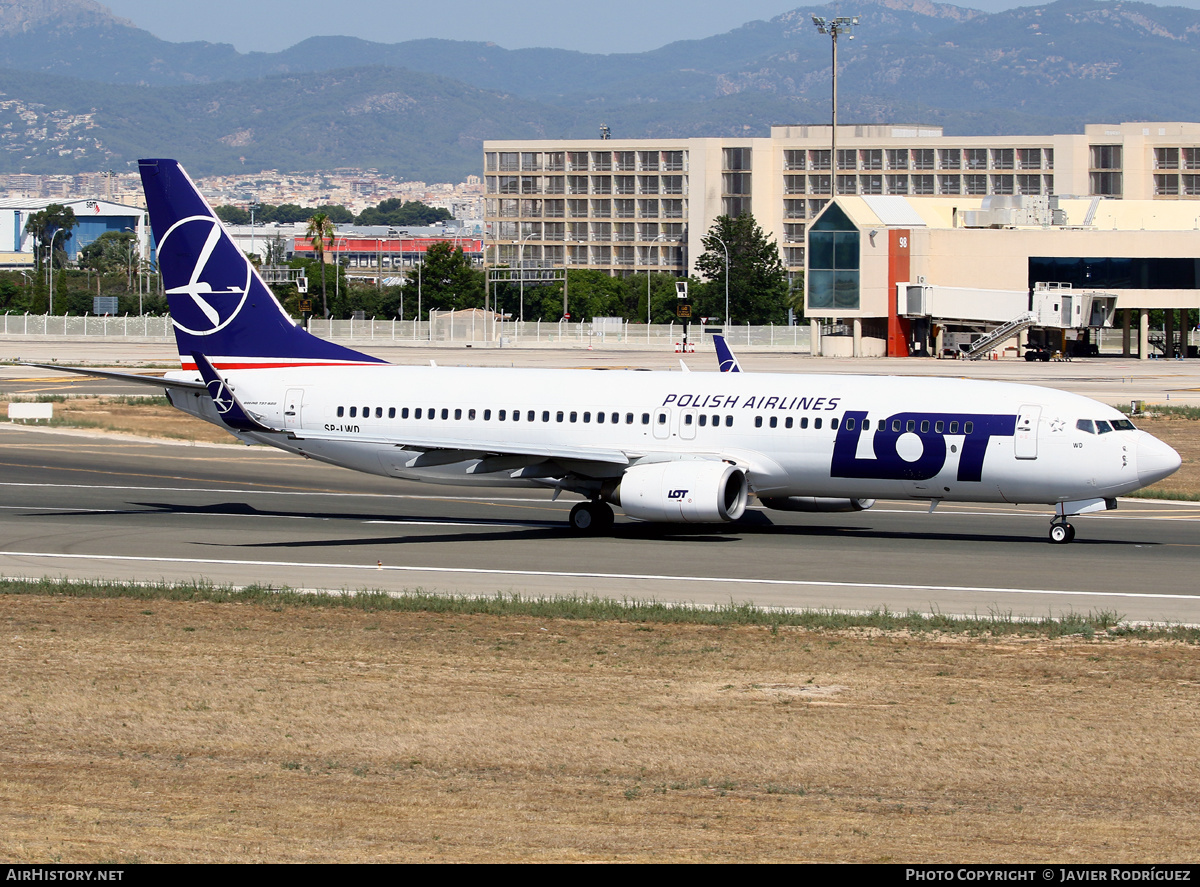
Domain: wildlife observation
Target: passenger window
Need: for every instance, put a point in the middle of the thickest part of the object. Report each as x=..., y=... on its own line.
x=431, y=413
x=939, y=426
x=645, y=418
x=629, y=418
x=529, y=416
x=968, y=427
x=804, y=421
x=662, y=418
x=787, y=423
x=404, y=413
x=391, y=412
x=687, y=418
x=516, y=415
x=774, y=421
x=758, y=421
x=470, y=414
x=417, y=413
x=446, y=413
x=954, y=428
x=502, y=415
x=1086, y=425
x=703, y=420
x=816, y=423
x=616, y=418
x=910, y=425
x=895, y=425
x=546, y=416
x=559, y=416
x=924, y=426
x=849, y=424
x=729, y=421
x=716, y=420
x=574, y=416
x=866, y=424
x=341, y=412
x=587, y=417
x=833, y=424
x=487, y=415
x=353, y=412
x=599, y=418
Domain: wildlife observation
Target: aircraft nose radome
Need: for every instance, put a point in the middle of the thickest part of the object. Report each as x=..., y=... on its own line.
x=1155, y=460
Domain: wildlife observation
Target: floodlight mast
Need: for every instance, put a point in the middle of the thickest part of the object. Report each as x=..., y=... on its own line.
x=833, y=27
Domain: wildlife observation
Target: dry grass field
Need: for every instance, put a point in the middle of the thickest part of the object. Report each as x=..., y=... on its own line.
x=167, y=731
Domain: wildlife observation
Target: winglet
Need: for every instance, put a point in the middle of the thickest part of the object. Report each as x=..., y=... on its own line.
x=229, y=408
x=726, y=362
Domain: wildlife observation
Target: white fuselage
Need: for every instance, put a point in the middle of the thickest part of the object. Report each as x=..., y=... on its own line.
x=793, y=435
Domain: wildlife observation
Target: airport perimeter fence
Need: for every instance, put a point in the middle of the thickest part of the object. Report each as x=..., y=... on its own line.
x=461, y=328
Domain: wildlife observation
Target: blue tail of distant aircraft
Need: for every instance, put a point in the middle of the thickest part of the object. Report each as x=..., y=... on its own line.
x=220, y=306
x=726, y=362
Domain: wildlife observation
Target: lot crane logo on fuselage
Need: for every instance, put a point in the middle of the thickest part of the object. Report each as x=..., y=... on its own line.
x=218, y=276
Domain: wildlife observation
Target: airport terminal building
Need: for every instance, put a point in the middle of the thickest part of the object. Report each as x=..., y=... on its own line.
x=638, y=205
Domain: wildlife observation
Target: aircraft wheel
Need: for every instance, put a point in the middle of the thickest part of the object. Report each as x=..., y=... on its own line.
x=591, y=518
x=1060, y=534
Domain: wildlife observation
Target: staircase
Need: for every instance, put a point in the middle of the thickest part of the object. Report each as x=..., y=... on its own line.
x=1005, y=331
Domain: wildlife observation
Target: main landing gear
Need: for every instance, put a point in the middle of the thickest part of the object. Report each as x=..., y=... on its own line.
x=1061, y=532
x=591, y=518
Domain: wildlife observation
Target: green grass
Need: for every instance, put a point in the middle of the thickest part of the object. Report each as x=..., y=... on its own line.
x=1096, y=624
x=152, y=400
x=1160, y=409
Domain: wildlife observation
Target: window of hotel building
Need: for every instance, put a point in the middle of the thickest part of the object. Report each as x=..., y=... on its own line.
x=601, y=209
x=922, y=158
x=623, y=231
x=672, y=161
x=1191, y=185
x=624, y=185
x=509, y=184
x=491, y=207
x=870, y=158
x=1002, y=158
x=530, y=184
x=577, y=160
x=818, y=159
x=577, y=184
x=508, y=251
x=672, y=231
x=1166, y=158
x=897, y=158
x=672, y=209
x=555, y=185
x=737, y=183
x=847, y=158
x=977, y=158
x=556, y=161
x=601, y=184
x=897, y=184
x=532, y=231
x=625, y=160
x=648, y=160
x=577, y=255
x=623, y=255
x=793, y=256
x=493, y=184
x=602, y=161
x=818, y=184
x=509, y=231
x=489, y=161
x=794, y=159
x=847, y=184
x=577, y=209
x=577, y=231
x=833, y=277
x=624, y=209
x=530, y=161
x=1106, y=156
x=1029, y=184
x=950, y=158
x=1002, y=184
x=1029, y=158
x=531, y=209
x=815, y=207
x=1105, y=184
x=871, y=184
x=509, y=207
x=647, y=184
x=1049, y=158
x=510, y=161
x=922, y=185
x=601, y=255
x=735, y=206
x=647, y=255
x=1047, y=184
x=793, y=233
x=794, y=209
x=1166, y=185
x=794, y=184
x=649, y=230
x=975, y=184
x=1191, y=158
x=552, y=255
x=672, y=184
x=648, y=209
x=736, y=159
x=555, y=231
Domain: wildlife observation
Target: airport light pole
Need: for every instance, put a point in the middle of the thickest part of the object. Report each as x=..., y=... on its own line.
x=657, y=239
x=833, y=27
x=726, y=248
x=52, y=236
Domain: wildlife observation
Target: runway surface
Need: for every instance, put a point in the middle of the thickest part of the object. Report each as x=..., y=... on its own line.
x=79, y=506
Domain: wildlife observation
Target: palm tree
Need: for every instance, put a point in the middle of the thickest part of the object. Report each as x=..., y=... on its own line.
x=321, y=233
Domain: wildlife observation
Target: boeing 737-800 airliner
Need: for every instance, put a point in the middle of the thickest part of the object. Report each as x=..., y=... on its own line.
x=666, y=447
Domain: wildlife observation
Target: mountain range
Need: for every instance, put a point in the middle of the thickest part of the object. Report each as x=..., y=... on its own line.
x=81, y=89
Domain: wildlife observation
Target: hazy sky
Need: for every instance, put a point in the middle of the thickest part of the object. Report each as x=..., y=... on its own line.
x=611, y=26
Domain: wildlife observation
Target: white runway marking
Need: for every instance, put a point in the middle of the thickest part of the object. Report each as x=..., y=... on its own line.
x=643, y=577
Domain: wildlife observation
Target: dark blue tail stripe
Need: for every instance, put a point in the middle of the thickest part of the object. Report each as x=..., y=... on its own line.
x=219, y=304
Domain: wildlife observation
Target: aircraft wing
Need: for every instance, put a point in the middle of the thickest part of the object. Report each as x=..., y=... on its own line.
x=156, y=381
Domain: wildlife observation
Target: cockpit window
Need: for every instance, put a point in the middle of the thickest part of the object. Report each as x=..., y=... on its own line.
x=1123, y=425
x=1086, y=425
x=1102, y=427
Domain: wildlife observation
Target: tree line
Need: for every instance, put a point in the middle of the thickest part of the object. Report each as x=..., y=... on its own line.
x=392, y=211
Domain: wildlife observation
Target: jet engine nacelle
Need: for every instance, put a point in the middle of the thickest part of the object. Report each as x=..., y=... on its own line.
x=683, y=492
x=816, y=503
